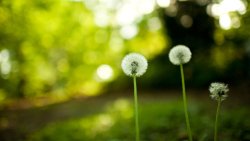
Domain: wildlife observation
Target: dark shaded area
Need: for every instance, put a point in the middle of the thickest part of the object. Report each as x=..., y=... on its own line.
x=199, y=34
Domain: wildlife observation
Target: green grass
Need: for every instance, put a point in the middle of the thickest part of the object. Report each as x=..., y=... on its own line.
x=160, y=120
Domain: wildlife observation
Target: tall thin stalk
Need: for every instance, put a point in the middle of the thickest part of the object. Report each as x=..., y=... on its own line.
x=216, y=120
x=185, y=103
x=137, y=130
x=218, y=92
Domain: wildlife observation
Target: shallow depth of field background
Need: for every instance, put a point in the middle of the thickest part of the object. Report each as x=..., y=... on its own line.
x=61, y=80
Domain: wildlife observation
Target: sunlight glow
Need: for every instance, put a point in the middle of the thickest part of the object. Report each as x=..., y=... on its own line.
x=225, y=21
x=227, y=6
x=215, y=9
x=124, y=12
x=129, y=31
x=223, y=9
x=5, y=64
x=163, y=3
x=132, y=11
x=101, y=18
x=126, y=15
x=145, y=6
x=233, y=5
x=104, y=72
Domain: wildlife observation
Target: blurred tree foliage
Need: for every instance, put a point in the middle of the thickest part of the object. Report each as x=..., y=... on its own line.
x=55, y=47
x=58, y=47
x=43, y=40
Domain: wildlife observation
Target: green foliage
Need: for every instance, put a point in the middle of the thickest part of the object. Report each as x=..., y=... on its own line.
x=44, y=43
x=55, y=47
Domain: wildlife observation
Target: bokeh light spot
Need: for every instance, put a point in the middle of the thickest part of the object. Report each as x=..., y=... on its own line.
x=104, y=72
x=186, y=21
x=163, y=3
x=5, y=64
x=225, y=21
x=129, y=31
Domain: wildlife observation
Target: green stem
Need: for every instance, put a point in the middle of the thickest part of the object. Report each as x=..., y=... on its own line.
x=216, y=120
x=137, y=130
x=185, y=103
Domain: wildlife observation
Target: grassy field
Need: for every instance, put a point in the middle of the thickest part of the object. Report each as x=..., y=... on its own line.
x=110, y=118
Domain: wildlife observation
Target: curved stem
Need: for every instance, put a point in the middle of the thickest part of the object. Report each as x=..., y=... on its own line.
x=137, y=130
x=185, y=103
x=216, y=120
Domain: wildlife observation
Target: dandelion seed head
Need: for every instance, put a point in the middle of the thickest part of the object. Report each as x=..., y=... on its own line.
x=218, y=91
x=180, y=54
x=134, y=64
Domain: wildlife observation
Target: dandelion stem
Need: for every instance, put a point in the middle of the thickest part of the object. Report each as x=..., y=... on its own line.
x=137, y=130
x=216, y=120
x=185, y=103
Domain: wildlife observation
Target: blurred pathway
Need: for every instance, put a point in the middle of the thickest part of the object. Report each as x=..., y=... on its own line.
x=16, y=123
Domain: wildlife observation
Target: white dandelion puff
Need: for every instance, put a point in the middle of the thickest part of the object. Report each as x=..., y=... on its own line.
x=218, y=91
x=180, y=54
x=134, y=64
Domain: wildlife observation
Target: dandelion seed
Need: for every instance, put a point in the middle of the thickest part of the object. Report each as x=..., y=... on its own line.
x=218, y=91
x=134, y=64
x=180, y=54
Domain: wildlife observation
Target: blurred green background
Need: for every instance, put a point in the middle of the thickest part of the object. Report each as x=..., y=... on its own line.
x=55, y=51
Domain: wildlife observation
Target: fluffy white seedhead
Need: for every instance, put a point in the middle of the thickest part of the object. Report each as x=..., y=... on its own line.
x=218, y=91
x=134, y=64
x=180, y=54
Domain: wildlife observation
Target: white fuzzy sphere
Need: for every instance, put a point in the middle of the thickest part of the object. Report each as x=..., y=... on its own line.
x=180, y=54
x=134, y=64
x=218, y=91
